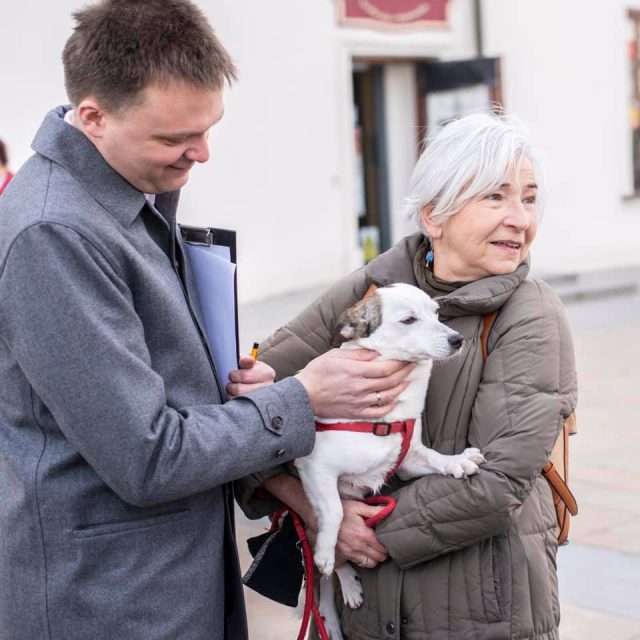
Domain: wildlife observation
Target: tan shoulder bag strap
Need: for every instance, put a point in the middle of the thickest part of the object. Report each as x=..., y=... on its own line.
x=562, y=496
x=487, y=323
x=371, y=290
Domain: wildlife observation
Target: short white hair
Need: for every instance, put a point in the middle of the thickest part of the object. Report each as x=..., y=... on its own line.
x=465, y=159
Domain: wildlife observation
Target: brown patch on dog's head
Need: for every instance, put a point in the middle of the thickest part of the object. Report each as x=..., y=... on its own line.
x=358, y=321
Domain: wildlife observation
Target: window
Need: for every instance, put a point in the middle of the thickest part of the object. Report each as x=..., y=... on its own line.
x=634, y=106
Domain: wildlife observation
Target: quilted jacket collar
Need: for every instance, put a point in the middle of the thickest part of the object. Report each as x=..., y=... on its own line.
x=476, y=298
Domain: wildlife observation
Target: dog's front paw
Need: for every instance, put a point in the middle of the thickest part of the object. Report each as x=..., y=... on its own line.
x=325, y=561
x=464, y=464
x=474, y=455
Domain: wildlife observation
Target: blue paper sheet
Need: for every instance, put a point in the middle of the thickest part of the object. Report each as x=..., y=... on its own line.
x=214, y=274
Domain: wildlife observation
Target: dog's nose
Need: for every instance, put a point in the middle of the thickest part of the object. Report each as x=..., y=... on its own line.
x=455, y=340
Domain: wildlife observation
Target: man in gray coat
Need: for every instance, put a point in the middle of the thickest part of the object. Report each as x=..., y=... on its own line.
x=116, y=450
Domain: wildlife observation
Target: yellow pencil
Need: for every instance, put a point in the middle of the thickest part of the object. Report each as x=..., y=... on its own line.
x=254, y=351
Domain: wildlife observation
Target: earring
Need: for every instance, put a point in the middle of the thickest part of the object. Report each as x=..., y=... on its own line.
x=429, y=258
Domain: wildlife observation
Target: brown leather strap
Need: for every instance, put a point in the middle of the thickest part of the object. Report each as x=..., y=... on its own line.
x=558, y=485
x=487, y=322
x=572, y=424
x=371, y=290
x=563, y=499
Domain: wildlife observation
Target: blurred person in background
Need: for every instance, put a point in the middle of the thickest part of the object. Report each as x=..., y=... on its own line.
x=471, y=558
x=5, y=174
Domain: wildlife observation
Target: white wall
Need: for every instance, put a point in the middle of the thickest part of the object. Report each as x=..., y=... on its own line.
x=282, y=158
x=275, y=174
x=566, y=74
x=32, y=35
x=401, y=116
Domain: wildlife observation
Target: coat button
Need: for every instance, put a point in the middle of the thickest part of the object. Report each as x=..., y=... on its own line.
x=391, y=628
x=277, y=423
x=280, y=453
x=405, y=620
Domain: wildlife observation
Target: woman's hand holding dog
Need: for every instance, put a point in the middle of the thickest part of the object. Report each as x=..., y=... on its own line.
x=345, y=383
x=356, y=541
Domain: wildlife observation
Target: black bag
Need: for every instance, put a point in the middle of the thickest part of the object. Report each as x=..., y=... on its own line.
x=277, y=570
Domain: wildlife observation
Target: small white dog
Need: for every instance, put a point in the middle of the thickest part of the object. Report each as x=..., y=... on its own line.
x=400, y=322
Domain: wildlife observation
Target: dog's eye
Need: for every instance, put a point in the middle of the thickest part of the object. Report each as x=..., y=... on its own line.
x=409, y=320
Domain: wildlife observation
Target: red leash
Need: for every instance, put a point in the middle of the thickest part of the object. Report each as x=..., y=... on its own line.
x=389, y=504
x=310, y=604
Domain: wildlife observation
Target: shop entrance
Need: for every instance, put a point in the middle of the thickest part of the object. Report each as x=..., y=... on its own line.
x=394, y=103
x=371, y=183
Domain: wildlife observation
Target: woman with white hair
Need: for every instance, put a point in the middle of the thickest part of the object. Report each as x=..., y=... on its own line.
x=471, y=558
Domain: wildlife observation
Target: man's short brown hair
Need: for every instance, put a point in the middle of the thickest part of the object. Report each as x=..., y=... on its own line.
x=119, y=47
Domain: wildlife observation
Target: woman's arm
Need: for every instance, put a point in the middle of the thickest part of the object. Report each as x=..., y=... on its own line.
x=528, y=387
x=355, y=539
x=288, y=489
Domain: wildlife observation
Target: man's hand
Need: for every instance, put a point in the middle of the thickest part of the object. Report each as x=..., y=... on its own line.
x=251, y=375
x=344, y=383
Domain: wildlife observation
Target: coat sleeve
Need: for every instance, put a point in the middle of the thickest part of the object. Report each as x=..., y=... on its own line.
x=528, y=388
x=69, y=320
x=288, y=350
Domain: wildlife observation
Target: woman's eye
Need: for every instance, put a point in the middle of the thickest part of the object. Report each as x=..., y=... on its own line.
x=529, y=200
x=495, y=197
x=409, y=320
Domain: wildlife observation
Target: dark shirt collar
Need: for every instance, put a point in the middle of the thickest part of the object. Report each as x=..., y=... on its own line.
x=68, y=147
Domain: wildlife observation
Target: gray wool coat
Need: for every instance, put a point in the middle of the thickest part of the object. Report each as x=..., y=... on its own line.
x=116, y=454
x=471, y=559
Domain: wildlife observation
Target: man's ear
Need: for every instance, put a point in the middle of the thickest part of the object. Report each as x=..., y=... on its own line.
x=90, y=117
x=359, y=321
x=434, y=230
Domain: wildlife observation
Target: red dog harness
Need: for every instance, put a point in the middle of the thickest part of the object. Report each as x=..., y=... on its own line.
x=378, y=429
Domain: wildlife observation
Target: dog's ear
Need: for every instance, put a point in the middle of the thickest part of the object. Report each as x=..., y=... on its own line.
x=358, y=321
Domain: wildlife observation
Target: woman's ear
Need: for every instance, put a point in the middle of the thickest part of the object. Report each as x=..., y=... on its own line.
x=434, y=230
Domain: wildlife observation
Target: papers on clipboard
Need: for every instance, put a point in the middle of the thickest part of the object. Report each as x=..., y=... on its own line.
x=212, y=257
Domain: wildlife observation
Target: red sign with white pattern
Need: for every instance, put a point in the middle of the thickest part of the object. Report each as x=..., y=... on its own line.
x=393, y=13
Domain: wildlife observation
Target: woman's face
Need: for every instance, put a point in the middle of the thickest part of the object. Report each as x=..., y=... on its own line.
x=490, y=235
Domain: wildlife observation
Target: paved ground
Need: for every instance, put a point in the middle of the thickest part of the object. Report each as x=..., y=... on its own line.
x=599, y=570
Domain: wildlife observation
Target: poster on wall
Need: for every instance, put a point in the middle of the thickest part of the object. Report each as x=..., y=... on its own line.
x=443, y=106
x=450, y=89
x=393, y=14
